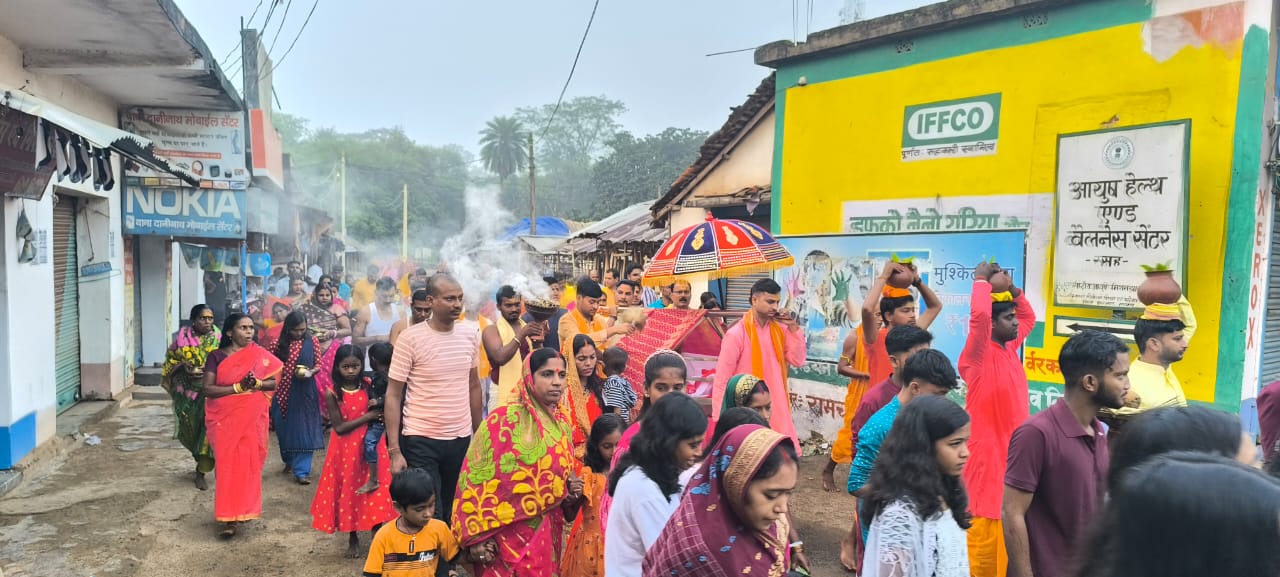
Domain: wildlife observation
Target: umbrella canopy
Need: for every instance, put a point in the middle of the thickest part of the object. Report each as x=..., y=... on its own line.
x=716, y=249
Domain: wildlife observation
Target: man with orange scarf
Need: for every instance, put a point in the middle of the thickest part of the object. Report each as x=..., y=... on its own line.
x=584, y=320
x=763, y=343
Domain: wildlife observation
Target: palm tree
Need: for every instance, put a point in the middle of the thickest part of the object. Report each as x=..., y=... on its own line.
x=502, y=147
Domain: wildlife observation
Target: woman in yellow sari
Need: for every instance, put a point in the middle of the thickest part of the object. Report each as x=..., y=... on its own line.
x=517, y=482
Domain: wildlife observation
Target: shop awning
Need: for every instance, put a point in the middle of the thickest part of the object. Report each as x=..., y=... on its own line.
x=131, y=146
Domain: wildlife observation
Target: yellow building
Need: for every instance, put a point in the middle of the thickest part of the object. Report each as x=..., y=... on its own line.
x=1074, y=141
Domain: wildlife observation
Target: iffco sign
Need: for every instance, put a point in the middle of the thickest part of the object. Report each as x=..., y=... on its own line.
x=184, y=212
x=954, y=128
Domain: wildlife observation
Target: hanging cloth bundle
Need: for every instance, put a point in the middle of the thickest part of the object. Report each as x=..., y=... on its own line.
x=27, y=236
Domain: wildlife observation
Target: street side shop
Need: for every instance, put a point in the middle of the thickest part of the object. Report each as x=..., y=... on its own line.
x=66, y=273
x=1007, y=135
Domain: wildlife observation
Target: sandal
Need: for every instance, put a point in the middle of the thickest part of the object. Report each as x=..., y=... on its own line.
x=303, y=480
x=228, y=532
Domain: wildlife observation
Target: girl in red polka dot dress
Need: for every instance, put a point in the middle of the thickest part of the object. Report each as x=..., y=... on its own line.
x=337, y=506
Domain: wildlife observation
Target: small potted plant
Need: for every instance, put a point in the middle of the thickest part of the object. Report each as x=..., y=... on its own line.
x=1160, y=286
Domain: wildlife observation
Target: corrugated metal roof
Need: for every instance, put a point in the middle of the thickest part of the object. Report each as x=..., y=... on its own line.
x=612, y=221
x=544, y=244
x=631, y=224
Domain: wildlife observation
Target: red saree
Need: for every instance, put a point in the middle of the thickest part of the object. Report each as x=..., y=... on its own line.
x=237, y=432
x=705, y=537
x=511, y=487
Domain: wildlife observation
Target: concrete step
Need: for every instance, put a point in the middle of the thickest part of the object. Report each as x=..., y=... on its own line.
x=150, y=393
x=147, y=376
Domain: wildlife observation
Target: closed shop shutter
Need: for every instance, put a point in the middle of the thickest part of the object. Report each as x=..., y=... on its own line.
x=738, y=290
x=1271, y=340
x=66, y=305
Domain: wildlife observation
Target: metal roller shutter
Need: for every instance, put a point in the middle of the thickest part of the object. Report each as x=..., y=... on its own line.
x=738, y=290
x=66, y=290
x=1271, y=339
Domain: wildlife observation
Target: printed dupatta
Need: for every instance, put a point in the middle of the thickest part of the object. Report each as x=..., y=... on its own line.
x=582, y=405
x=738, y=392
x=705, y=537
x=515, y=472
x=285, y=382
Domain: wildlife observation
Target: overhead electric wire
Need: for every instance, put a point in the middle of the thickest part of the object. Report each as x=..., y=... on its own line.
x=573, y=68
x=285, y=18
x=246, y=24
x=295, y=38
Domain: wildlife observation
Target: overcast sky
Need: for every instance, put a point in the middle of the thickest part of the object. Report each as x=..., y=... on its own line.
x=441, y=69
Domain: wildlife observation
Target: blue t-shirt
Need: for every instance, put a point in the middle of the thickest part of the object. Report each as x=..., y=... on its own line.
x=869, y=440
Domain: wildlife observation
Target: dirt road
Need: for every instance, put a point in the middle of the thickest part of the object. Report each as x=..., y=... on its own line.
x=127, y=507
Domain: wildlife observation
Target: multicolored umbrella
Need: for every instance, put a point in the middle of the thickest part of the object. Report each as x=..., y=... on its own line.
x=716, y=249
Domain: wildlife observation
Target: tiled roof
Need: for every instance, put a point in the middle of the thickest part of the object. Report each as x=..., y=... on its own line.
x=740, y=119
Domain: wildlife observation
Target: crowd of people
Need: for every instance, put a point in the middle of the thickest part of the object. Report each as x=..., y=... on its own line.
x=513, y=444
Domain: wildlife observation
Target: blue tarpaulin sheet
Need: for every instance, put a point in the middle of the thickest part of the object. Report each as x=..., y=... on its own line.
x=547, y=226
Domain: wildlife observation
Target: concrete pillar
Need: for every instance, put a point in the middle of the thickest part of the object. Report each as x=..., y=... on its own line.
x=154, y=265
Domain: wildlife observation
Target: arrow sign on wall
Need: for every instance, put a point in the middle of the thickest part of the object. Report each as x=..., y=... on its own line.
x=1067, y=326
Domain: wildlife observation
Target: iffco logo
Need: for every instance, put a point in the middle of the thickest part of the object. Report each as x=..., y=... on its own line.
x=966, y=120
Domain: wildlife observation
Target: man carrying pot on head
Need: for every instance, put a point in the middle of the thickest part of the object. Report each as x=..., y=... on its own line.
x=1162, y=333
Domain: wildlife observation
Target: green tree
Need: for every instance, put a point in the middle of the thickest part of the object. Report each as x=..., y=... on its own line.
x=640, y=169
x=568, y=142
x=503, y=147
x=380, y=163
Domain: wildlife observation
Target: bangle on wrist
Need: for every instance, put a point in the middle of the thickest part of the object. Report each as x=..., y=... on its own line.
x=393, y=449
x=797, y=545
x=236, y=388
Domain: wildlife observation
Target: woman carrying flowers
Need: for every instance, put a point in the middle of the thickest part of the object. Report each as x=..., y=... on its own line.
x=182, y=377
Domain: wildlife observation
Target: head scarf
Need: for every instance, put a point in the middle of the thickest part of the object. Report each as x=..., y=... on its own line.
x=582, y=405
x=705, y=536
x=1003, y=297
x=738, y=393
x=515, y=471
x=895, y=292
x=1162, y=312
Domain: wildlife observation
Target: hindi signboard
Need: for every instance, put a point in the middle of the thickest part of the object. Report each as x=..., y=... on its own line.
x=1121, y=204
x=208, y=143
x=832, y=274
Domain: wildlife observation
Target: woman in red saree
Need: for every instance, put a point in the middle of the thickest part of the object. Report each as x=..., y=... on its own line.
x=518, y=480
x=585, y=390
x=732, y=519
x=239, y=379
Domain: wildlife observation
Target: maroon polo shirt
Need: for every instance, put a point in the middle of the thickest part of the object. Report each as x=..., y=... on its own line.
x=1269, y=418
x=1065, y=468
x=873, y=400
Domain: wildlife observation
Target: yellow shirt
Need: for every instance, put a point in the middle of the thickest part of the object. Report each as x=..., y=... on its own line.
x=363, y=293
x=1154, y=386
x=395, y=554
x=568, y=295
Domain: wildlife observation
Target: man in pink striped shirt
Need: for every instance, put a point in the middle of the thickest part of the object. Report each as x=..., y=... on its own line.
x=435, y=371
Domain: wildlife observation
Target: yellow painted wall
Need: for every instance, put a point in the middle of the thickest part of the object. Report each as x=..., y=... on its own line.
x=842, y=141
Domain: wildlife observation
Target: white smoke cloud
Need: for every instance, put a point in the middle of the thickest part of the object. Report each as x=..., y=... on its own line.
x=480, y=261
